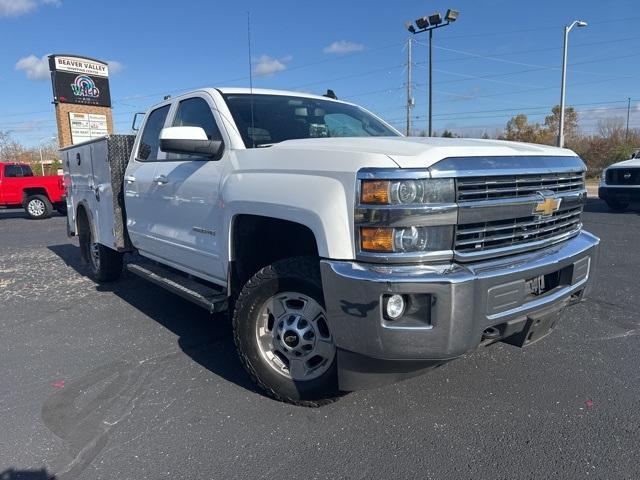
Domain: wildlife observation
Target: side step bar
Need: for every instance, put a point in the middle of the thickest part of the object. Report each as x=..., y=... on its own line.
x=207, y=297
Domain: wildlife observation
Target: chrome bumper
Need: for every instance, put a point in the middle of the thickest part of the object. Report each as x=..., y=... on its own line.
x=450, y=305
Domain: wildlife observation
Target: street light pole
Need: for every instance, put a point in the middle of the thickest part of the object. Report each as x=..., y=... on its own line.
x=567, y=29
x=430, y=82
x=429, y=24
x=409, y=85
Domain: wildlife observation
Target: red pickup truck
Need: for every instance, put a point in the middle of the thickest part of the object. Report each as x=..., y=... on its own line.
x=37, y=195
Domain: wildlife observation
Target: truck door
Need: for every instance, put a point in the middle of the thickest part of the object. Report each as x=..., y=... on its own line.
x=186, y=196
x=140, y=201
x=11, y=187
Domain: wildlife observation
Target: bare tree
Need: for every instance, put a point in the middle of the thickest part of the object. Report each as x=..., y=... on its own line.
x=9, y=148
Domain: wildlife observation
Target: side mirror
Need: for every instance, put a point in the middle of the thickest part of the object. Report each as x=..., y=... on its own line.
x=189, y=141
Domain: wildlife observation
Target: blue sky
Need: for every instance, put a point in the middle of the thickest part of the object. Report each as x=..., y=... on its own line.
x=500, y=58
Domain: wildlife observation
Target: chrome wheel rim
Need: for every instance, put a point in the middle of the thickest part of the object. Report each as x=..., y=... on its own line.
x=293, y=336
x=36, y=207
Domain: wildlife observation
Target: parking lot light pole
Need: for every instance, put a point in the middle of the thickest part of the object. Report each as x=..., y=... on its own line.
x=429, y=24
x=567, y=29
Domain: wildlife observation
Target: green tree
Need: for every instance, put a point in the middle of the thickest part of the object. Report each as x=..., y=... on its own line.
x=519, y=129
x=552, y=124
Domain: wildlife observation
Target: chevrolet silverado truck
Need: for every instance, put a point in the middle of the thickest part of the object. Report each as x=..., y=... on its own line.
x=37, y=195
x=620, y=184
x=346, y=254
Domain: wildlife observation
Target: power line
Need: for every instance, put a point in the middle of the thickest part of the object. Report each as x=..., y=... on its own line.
x=537, y=29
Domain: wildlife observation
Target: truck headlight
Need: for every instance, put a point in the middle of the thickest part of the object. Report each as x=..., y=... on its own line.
x=406, y=239
x=407, y=192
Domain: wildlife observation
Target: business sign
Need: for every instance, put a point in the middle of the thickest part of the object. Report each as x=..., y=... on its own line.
x=85, y=126
x=78, y=80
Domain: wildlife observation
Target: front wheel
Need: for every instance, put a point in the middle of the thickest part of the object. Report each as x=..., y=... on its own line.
x=105, y=264
x=282, y=333
x=38, y=207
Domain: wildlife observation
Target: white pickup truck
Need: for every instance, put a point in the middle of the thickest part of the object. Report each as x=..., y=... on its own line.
x=347, y=254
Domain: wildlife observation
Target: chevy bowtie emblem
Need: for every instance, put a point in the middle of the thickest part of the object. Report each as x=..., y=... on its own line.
x=547, y=207
x=627, y=176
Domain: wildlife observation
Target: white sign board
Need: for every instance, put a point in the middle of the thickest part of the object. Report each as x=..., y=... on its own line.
x=85, y=126
x=81, y=65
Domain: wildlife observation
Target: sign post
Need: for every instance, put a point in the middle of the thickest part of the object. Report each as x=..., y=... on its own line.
x=81, y=97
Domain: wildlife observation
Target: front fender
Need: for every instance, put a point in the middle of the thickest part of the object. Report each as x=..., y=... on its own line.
x=320, y=203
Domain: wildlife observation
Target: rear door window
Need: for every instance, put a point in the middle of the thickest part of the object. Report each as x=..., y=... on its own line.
x=150, y=140
x=13, y=171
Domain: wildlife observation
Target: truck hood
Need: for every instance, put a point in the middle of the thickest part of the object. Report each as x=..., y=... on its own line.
x=632, y=163
x=419, y=152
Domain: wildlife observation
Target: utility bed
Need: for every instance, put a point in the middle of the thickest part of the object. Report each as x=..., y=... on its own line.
x=96, y=170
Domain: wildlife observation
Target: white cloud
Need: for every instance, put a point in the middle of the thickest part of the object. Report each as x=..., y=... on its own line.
x=114, y=66
x=35, y=68
x=16, y=8
x=266, y=65
x=342, y=46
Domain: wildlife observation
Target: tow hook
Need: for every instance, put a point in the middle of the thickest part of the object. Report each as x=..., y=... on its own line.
x=491, y=333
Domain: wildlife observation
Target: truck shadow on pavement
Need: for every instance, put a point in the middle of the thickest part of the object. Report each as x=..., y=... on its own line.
x=595, y=205
x=206, y=338
x=12, y=474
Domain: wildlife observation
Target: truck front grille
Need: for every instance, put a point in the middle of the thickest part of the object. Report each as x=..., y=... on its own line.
x=477, y=237
x=623, y=176
x=513, y=186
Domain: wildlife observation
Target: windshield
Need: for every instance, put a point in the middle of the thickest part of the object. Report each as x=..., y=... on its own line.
x=277, y=118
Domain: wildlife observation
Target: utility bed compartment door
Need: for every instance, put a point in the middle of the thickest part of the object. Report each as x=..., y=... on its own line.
x=79, y=180
x=104, y=220
x=94, y=173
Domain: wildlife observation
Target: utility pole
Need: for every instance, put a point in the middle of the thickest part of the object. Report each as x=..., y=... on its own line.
x=409, y=85
x=626, y=135
x=41, y=160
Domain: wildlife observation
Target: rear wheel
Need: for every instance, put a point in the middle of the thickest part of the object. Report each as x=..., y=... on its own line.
x=616, y=205
x=105, y=264
x=282, y=334
x=38, y=207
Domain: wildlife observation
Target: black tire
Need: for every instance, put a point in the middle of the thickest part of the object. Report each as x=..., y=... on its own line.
x=105, y=264
x=617, y=206
x=299, y=275
x=37, y=207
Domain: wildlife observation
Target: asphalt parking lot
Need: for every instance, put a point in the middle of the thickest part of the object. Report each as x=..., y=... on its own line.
x=129, y=382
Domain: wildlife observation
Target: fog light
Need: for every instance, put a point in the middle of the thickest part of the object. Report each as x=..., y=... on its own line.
x=395, y=306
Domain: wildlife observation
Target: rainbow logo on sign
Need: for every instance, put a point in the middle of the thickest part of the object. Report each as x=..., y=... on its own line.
x=83, y=86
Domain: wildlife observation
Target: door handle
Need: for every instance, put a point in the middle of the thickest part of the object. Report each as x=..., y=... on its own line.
x=130, y=179
x=161, y=179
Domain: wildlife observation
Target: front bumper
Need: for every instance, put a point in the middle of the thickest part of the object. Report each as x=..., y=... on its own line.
x=619, y=193
x=450, y=306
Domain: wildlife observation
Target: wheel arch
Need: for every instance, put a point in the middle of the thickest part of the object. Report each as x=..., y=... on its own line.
x=255, y=241
x=31, y=191
x=83, y=214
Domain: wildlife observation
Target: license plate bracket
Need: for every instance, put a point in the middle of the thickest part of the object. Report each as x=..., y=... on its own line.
x=536, y=327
